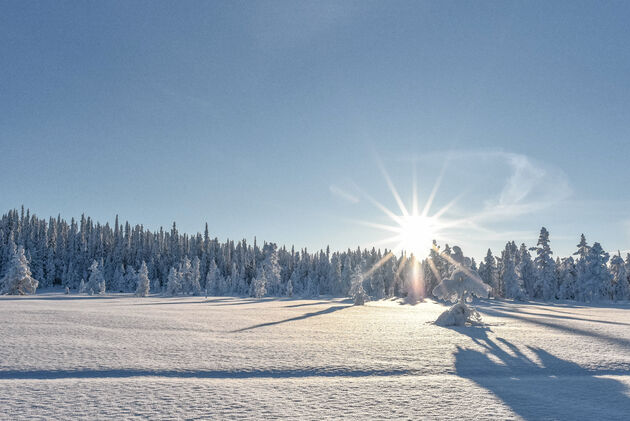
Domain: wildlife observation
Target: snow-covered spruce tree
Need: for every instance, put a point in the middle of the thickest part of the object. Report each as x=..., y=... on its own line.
x=357, y=292
x=546, y=286
x=17, y=279
x=289, y=287
x=258, y=287
x=582, y=277
x=96, y=281
x=598, y=280
x=567, y=278
x=526, y=271
x=510, y=280
x=195, y=276
x=459, y=288
x=82, y=287
x=271, y=269
x=173, y=285
x=213, y=282
x=131, y=278
x=144, y=284
x=489, y=273
x=621, y=287
x=118, y=282
x=185, y=275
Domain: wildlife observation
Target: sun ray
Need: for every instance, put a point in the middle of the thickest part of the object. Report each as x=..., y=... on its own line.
x=378, y=264
x=446, y=207
x=382, y=207
x=436, y=273
x=390, y=228
x=401, y=265
x=390, y=240
x=414, y=190
x=392, y=188
x=436, y=186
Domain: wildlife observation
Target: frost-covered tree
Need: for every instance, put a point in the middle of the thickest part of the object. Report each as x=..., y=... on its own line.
x=82, y=287
x=289, y=288
x=174, y=284
x=17, y=279
x=511, y=282
x=526, y=271
x=195, y=276
x=546, y=285
x=596, y=280
x=119, y=281
x=459, y=288
x=96, y=281
x=271, y=269
x=131, y=278
x=567, y=279
x=259, y=285
x=357, y=292
x=489, y=273
x=214, y=284
x=621, y=286
x=144, y=284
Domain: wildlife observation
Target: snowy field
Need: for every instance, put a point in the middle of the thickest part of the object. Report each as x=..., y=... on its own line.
x=119, y=357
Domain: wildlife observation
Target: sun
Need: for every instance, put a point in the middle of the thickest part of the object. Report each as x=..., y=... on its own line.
x=414, y=230
x=417, y=233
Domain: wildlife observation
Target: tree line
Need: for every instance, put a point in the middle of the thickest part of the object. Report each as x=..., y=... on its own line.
x=90, y=257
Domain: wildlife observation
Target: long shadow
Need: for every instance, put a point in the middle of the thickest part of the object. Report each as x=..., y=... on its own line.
x=346, y=301
x=558, y=304
x=58, y=297
x=200, y=374
x=168, y=303
x=293, y=319
x=623, y=342
x=581, y=319
x=542, y=386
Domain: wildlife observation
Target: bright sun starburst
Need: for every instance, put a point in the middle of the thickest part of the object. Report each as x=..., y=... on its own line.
x=413, y=231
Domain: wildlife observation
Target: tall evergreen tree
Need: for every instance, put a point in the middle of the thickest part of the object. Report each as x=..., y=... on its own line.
x=546, y=286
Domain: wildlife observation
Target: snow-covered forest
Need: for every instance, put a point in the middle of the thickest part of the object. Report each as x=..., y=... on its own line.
x=95, y=258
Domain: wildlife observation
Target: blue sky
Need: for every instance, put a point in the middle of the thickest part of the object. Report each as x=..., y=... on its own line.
x=272, y=118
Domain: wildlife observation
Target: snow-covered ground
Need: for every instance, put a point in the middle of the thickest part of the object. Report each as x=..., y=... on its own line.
x=120, y=357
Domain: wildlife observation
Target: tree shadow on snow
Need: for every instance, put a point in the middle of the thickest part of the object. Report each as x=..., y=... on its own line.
x=197, y=374
x=550, y=323
x=328, y=310
x=540, y=385
x=57, y=297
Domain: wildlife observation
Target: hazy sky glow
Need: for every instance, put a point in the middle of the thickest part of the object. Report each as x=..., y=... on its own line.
x=275, y=119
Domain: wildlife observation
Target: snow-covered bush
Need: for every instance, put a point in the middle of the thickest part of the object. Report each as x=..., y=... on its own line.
x=143, y=281
x=459, y=288
x=17, y=279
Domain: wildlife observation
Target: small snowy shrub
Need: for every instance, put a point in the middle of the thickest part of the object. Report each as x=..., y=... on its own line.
x=459, y=288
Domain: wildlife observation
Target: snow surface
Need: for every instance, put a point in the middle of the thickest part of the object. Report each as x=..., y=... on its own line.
x=123, y=357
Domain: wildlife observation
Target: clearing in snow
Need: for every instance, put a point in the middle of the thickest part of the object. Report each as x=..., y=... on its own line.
x=126, y=357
